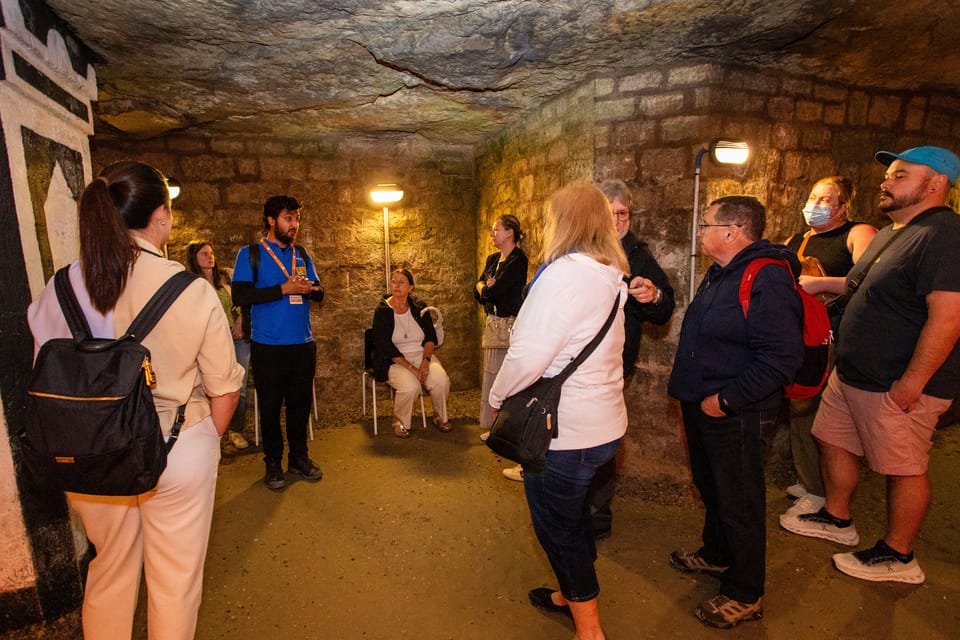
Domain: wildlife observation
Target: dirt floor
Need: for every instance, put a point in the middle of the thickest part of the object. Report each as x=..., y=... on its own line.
x=423, y=538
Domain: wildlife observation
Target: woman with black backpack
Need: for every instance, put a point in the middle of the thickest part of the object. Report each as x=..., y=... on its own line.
x=124, y=223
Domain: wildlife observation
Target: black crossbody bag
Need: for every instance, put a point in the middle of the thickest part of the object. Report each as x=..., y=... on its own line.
x=528, y=419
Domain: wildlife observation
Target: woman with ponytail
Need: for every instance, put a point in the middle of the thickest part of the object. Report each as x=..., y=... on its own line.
x=124, y=222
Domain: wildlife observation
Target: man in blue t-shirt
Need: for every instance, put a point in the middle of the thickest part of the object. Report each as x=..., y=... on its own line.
x=277, y=283
x=897, y=367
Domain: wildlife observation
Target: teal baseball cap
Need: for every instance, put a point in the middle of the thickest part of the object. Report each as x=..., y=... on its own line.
x=937, y=158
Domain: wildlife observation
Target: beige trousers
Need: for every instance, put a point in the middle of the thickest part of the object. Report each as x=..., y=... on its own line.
x=407, y=389
x=164, y=532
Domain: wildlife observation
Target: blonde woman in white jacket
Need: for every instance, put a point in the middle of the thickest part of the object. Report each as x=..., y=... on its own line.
x=567, y=303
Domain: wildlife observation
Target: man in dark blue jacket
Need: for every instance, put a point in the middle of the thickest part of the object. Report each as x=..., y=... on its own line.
x=729, y=374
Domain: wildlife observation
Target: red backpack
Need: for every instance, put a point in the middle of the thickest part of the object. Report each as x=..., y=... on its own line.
x=817, y=333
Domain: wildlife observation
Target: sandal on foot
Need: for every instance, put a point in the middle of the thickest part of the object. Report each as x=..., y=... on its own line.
x=442, y=426
x=399, y=430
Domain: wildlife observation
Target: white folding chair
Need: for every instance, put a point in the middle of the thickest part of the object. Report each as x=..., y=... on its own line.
x=368, y=373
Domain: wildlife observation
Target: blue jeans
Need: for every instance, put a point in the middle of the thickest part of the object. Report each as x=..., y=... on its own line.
x=242, y=348
x=726, y=460
x=557, y=496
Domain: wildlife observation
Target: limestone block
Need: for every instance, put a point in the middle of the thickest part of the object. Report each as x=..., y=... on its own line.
x=809, y=110
x=614, y=109
x=916, y=113
x=830, y=92
x=227, y=146
x=780, y=107
x=641, y=81
x=752, y=81
x=834, y=114
x=677, y=128
x=209, y=166
x=634, y=133
x=857, y=109
x=884, y=110
x=660, y=104
x=697, y=74
x=187, y=144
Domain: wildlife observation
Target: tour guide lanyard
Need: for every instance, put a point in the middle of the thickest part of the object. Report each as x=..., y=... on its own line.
x=291, y=298
x=293, y=258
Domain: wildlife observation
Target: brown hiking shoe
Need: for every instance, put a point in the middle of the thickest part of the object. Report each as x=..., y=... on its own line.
x=691, y=562
x=723, y=613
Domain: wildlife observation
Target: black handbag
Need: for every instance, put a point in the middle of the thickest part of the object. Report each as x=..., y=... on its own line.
x=90, y=422
x=527, y=420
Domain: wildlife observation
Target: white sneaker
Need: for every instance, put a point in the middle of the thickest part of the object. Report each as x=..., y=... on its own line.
x=237, y=440
x=796, y=491
x=514, y=473
x=820, y=525
x=879, y=564
x=809, y=503
x=484, y=436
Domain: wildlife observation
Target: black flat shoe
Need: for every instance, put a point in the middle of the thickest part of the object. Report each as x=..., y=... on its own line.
x=540, y=598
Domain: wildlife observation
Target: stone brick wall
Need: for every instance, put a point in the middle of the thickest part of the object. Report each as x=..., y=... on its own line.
x=432, y=230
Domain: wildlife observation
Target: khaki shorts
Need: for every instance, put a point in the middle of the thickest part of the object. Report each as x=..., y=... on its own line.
x=869, y=424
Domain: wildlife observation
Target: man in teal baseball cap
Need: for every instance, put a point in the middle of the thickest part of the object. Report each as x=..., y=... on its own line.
x=885, y=395
x=937, y=158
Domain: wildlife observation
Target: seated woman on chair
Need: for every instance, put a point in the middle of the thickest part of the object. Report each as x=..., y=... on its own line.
x=404, y=340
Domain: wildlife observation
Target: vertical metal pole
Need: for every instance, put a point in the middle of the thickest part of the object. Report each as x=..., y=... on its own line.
x=693, y=229
x=386, y=247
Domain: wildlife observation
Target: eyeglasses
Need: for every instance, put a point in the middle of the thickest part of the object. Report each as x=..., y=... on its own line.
x=703, y=225
x=621, y=213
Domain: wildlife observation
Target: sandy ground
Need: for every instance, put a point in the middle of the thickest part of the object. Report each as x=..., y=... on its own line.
x=423, y=538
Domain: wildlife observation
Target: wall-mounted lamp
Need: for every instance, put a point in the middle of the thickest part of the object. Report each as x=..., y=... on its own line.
x=386, y=194
x=173, y=187
x=723, y=151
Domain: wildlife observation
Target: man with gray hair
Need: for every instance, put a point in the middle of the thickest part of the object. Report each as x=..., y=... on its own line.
x=732, y=363
x=884, y=397
x=651, y=300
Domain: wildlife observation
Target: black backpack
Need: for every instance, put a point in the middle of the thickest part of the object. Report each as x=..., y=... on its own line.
x=91, y=425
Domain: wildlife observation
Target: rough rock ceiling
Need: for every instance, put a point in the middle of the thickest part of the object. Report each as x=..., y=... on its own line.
x=456, y=71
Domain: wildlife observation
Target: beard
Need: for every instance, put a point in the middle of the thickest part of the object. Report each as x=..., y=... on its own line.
x=284, y=237
x=894, y=203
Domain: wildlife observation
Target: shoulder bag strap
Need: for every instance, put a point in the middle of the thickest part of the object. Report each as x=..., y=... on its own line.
x=158, y=304
x=79, y=328
x=803, y=245
x=857, y=280
x=587, y=350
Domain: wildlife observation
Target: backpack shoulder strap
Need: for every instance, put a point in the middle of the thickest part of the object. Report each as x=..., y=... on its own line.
x=750, y=274
x=253, y=254
x=158, y=304
x=303, y=254
x=79, y=328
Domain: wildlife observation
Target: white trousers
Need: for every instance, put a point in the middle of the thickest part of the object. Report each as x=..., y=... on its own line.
x=407, y=388
x=165, y=532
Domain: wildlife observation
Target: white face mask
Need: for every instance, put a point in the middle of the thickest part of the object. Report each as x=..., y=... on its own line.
x=817, y=214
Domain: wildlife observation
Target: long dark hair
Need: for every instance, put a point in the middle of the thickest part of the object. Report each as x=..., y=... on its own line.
x=123, y=197
x=192, y=250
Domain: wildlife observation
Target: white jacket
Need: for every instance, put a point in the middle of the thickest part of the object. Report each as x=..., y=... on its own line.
x=564, y=309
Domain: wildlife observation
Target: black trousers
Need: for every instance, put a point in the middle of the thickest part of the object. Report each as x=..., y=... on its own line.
x=283, y=374
x=726, y=459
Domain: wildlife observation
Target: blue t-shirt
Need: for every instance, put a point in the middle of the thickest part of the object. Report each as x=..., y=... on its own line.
x=282, y=321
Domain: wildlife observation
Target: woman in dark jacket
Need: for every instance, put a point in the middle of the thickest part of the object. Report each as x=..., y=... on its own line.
x=404, y=339
x=500, y=290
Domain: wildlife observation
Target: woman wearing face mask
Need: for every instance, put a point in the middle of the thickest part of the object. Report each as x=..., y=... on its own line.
x=828, y=249
x=833, y=242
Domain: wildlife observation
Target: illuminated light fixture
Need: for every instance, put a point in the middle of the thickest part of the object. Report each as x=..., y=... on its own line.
x=386, y=194
x=173, y=187
x=725, y=151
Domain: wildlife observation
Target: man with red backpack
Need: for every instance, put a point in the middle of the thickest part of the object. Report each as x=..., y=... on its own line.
x=729, y=375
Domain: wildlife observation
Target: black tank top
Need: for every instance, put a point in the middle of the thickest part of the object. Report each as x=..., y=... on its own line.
x=830, y=248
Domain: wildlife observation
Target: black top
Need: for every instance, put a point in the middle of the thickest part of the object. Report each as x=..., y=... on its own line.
x=829, y=247
x=884, y=318
x=505, y=296
x=642, y=263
